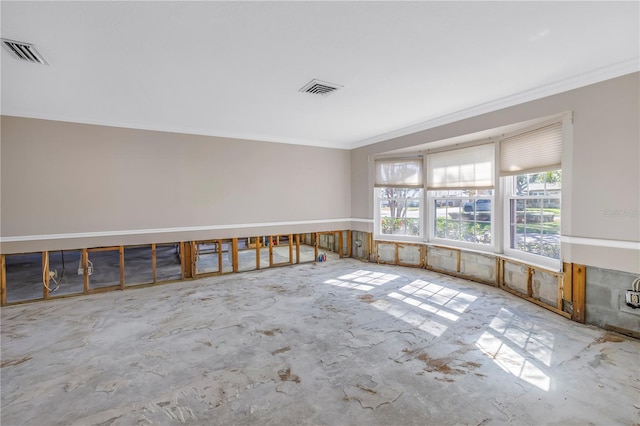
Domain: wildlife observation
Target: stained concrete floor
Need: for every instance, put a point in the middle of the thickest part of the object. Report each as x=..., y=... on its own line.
x=339, y=343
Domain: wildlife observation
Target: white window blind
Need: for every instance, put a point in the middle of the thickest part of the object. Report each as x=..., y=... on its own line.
x=534, y=151
x=462, y=168
x=399, y=173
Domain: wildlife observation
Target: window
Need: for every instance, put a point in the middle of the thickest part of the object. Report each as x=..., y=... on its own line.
x=530, y=166
x=463, y=215
x=398, y=195
x=460, y=189
x=534, y=213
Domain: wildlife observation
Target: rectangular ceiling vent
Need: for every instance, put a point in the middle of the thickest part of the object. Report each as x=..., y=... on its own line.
x=317, y=87
x=24, y=51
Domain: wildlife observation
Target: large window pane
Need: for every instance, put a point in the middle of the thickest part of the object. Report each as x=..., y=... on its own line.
x=535, y=214
x=463, y=215
x=399, y=211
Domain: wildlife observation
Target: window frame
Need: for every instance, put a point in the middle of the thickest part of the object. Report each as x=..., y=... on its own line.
x=378, y=235
x=432, y=221
x=547, y=262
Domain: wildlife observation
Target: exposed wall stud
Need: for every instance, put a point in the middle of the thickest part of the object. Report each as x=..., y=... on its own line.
x=154, y=263
x=579, y=274
x=46, y=278
x=121, y=252
x=234, y=254
x=85, y=270
x=3, y=280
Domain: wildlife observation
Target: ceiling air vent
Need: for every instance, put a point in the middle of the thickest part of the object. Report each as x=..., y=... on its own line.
x=24, y=51
x=317, y=87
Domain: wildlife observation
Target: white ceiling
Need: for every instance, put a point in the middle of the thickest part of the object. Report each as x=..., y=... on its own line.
x=234, y=69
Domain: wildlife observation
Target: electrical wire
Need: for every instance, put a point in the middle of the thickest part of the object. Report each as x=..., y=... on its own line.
x=46, y=272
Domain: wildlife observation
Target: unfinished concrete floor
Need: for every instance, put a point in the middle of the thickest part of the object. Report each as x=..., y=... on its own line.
x=339, y=343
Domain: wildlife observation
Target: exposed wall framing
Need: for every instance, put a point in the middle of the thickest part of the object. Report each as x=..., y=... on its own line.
x=35, y=276
x=102, y=269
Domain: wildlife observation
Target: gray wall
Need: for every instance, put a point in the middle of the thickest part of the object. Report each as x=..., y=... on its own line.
x=601, y=176
x=68, y=179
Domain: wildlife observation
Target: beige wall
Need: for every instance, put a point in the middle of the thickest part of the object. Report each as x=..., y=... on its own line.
x=601, y=176
x=66, y=178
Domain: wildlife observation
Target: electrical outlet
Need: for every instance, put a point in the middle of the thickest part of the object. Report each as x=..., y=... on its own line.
x=633, y=298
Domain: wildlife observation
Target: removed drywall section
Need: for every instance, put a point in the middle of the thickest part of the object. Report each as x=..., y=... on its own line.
x=478, y=266
x=443, y=259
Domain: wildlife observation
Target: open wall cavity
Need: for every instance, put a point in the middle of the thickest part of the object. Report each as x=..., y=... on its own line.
x=52, y=274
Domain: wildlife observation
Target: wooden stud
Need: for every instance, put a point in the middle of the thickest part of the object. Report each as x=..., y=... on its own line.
x=44, y=272
x=290, y=248
x=154, y=263
x=297, y=248
x=270, y=251
x=529, y=281
x=96, y=249
x=187, y=259
x=85, y=266
x=315, y=246
x=234, y=254
x=579, y=274
x=397, y=253
x=121, y=250
x=349, y=243
x=567, y=287
x=426, y=257
x=560, y=279
x=3, y=280
x=340, y=243
x=458, y=261
x=219, y=242
x=257, y=252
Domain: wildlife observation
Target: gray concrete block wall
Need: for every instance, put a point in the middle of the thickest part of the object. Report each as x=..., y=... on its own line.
x=443, y=259
x=478, y=266
x=605, y=299
x=515, y=276
x=544, y=287
x=387, y=252
x=409, y=255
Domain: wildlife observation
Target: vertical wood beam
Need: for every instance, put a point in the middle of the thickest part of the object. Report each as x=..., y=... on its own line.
x=315, y=246
x=529, y=281
x=44, y=273
x=341, y=243
x=219, y=242
x=85, y=266
x=257, y=252
x=234, y=254
x=3, y=280
x=154, y=263
x=188, y=259
x=560, y=279
x=579, y=274
x=349, y=243
x=271, y=240
x=290, y=248
x=121, y=252
x=297, y=248
x=458, y=260
x=397, y=252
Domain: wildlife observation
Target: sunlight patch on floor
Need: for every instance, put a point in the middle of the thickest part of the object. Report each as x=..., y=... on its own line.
x=520, y=348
